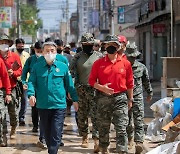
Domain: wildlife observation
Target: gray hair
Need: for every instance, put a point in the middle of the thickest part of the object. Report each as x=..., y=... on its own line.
x=49, y=43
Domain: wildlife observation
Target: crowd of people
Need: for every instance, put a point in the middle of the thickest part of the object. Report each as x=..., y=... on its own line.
x=102, y=80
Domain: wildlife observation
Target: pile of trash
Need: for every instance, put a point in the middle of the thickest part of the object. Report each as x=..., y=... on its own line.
x=162, y=111
x=165, y=127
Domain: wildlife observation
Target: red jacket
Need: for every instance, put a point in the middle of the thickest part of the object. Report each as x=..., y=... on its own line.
x=4, y=78
x=12, y=61
x=119, y=74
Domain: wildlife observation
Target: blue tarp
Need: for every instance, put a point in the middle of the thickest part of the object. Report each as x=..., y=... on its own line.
x=176, y=110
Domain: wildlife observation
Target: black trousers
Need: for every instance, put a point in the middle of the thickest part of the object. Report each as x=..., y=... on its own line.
x=35, y=116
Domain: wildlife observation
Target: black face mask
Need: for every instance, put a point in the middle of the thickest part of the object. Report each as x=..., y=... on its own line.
x=59, y=51
x=88, y=49
x=20, y=50
x=111, y=49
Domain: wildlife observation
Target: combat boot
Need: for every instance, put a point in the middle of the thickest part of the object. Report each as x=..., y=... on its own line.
x=13, y=132
x=104, y=150
x=96, y=145
x=84, y=142
x=130, y=143
x=138, y=148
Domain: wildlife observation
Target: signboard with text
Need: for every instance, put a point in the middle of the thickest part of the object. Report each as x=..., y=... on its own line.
x=159, y=28
x=6, y=3
x=5, y=17
x=121, y=15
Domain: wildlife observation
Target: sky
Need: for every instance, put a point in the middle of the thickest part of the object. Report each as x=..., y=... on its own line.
x=51, y=12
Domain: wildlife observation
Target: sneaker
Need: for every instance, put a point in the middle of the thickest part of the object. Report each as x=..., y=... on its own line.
x=22, y=123
x=41, y=145
x=35, y=129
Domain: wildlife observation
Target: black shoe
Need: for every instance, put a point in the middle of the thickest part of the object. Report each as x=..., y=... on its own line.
x=35, y=129
x=61, y=144
x=22, y=123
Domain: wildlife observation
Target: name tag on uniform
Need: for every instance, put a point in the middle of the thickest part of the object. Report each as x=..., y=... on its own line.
x=57, y=70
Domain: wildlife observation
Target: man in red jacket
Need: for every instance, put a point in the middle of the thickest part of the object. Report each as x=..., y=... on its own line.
x=14, y=69
x=5, y=98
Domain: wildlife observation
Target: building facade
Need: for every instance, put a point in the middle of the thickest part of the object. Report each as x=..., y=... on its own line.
x=153, y=34
x=88, y=16
x=176, y=7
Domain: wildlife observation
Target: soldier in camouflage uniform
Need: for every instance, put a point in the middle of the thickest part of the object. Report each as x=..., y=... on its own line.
x=5, y=97
x=14, y=69
x=80, y=69
x=136, y=113
x=112, y=76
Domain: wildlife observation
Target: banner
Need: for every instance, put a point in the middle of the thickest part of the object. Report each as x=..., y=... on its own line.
x=5, y=17
x=106, y=5
x=121, y=15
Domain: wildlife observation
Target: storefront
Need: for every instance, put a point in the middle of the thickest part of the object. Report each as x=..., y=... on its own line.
x=153, y=33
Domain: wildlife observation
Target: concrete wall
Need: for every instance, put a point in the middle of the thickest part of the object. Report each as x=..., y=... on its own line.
x=177, y=40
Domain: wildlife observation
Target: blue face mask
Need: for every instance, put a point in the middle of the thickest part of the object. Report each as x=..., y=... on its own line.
x=111, y=50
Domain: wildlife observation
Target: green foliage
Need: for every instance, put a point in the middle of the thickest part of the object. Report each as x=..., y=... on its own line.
x=28, y=13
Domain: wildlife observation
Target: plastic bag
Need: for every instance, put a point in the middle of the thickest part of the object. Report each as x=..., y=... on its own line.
x=154, y=132
x=170, y=148
x=167, y=119
x=162, y=106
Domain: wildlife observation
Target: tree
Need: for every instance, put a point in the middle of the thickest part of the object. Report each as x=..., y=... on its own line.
x=28, y=15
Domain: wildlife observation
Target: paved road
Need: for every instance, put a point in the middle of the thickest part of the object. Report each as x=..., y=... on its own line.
x=25, y=142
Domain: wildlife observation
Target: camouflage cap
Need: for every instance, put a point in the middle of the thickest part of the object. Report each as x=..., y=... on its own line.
x=6, y=37
x=111, y=39
x=131, y=50
x=87, y=38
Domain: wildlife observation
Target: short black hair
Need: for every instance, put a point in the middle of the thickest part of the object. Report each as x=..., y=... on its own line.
x=58, y=42
x=48, y=39
x=19, y=40
x=38, y=45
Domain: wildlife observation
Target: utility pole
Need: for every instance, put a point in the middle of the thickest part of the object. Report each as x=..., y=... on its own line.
x=172, y=31
x=111, y=14
x=67, y=21
x=77, y=31
x=18, y=18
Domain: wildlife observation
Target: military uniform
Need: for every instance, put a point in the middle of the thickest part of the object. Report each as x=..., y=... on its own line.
x=80, y=69
x=118, y=76
x=5, y=88
x=141, y=79
x=12, y=62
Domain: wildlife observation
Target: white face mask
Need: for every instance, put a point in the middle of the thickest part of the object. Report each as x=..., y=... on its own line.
x=50, y=57
x=4, y=47
x=38, y=55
